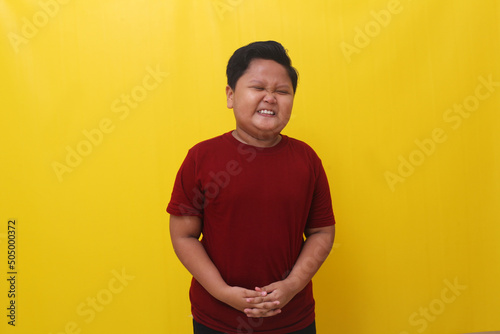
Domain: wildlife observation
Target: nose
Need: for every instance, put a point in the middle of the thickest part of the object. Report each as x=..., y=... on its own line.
x=269, y=98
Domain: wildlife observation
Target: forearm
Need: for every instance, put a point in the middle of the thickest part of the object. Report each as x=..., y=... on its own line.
x=314, y=252
x=193, y=256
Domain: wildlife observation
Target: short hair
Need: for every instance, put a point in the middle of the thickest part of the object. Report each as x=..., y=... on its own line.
x=241, y=58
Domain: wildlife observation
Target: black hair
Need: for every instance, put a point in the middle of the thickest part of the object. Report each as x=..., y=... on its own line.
x=241, y=58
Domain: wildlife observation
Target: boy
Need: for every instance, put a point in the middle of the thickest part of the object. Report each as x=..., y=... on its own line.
x=253, y=193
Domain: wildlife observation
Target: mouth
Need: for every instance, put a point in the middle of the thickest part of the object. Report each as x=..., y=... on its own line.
x=266, y=112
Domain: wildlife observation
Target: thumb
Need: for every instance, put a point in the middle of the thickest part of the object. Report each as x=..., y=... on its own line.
x=261, y=291
x=255, y=293
x=268, y=288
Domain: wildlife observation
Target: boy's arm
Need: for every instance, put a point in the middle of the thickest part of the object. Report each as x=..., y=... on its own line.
x=185, y=232
x=319, y=242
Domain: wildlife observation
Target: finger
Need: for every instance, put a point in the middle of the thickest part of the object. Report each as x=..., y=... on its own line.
x=256, y=313
x=255, y=300
x=262, y=291
x=253, y=294
x=268, y=288
x=264, y=297
x=271, y=297
x=266, y=305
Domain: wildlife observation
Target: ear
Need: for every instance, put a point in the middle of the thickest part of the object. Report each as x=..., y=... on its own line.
x=229, y=95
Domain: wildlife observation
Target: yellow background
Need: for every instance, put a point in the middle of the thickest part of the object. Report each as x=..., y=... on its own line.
x=376, y=77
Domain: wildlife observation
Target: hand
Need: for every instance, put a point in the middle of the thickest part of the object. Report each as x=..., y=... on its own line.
x=278, y=294
x=244, y=299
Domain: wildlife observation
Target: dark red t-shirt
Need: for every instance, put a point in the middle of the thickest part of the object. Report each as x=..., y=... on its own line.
x=255, y=204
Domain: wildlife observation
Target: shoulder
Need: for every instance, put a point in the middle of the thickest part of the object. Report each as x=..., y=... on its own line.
x=210, y=144
x=210, y=149
x=302, y=147
x=207, y=143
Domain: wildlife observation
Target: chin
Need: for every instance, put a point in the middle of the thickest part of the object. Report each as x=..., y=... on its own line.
x=268, y=134
x=272, y=130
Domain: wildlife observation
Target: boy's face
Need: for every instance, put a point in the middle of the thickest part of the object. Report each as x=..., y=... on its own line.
x=262, y=102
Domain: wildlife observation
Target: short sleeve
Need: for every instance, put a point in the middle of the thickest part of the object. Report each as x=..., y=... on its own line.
x=187, y=198
x=321, y=211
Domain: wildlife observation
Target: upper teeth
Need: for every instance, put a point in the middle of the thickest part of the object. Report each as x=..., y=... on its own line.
x=267, y=112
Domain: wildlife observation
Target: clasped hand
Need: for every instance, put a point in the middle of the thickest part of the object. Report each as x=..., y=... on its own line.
x=264, y=301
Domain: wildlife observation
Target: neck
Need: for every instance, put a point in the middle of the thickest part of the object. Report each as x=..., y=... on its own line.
x=257, y=142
